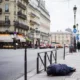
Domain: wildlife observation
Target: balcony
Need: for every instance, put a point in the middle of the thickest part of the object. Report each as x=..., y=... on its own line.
x=20, y=25
x=0, y=10
x=26, y=1
x=32, y=22
x=21, y=15
x=21, y=5
x=0, y=1
x=32, y=15
x=5, y=23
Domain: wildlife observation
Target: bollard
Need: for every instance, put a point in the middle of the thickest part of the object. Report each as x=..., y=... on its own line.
x=45, y=61
x=51, y=57
x=55, y=55
x=25, y=64
x=37, y=63
x=64, y=52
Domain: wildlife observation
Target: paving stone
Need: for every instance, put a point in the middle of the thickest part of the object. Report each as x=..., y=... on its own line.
x=70, y=79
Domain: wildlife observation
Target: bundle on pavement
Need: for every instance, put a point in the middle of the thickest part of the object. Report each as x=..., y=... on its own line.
x=59, y=70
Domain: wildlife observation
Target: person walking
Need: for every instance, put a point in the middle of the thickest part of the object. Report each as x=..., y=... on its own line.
x=78, y=46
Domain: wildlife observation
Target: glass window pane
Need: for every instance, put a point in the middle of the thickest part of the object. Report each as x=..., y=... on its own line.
x=6, y=8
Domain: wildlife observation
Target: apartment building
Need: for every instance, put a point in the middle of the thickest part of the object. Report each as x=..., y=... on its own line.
x=13, y=17
x=44, y=22
x=34, y=22
x=25, y=17
x=61, y=37
x=38, y=21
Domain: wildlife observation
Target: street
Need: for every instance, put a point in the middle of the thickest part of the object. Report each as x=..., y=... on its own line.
x=12, y=62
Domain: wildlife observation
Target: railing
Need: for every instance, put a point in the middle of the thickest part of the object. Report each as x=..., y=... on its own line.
x=47, y=57
x=21, y=15
x=5, y=23
x=0, y=10
x=21, y=5
x=1, y=1
x=21, y=25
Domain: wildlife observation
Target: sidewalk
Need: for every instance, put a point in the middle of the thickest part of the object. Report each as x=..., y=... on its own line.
x=72, y=60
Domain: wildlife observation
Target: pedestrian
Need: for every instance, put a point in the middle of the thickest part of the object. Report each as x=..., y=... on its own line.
x=78, y=46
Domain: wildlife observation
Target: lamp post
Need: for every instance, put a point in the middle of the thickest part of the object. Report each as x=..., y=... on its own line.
x=77, y=32
x=74, y=26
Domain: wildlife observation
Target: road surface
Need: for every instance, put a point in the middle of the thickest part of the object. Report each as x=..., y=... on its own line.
x=12, y=62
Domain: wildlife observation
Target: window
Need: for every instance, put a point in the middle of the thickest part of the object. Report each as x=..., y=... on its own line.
x=0, y=1
x=6, y=8
x=6, y=18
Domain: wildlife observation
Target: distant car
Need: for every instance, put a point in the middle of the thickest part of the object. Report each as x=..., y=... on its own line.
x=59, y=46
x=52, y=46
x=42, y=46
x=48, y=45
x=66, y=45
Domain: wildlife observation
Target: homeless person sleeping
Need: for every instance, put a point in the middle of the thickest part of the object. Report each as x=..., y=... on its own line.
x=59, y=70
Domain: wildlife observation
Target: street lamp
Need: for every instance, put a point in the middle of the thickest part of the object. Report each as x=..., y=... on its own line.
x=77, y=33
x=74, y=26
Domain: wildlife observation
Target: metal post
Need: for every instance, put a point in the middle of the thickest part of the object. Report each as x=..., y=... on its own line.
x=37, y=63
x=45, y=61
x=51, y=57
x=75, y=9
x=55, y=55
x=64, y=52
x=25, y=64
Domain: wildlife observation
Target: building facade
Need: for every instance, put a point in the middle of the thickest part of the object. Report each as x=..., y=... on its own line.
x=44, y=22
x=34, y=22
x=61, y=37
x=38, y=21
x=26, y=17
x=13, y=19
x=13, y=16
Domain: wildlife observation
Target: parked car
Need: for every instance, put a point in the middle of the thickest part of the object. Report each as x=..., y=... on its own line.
x=42, y=46
x=66, y=45
x=59, y=46
x=50, y=46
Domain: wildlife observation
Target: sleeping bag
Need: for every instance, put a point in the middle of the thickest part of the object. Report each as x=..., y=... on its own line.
x=59, y=69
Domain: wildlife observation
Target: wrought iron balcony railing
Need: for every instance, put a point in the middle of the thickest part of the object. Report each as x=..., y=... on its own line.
x=5, y=23
x=20, y=25
x=32, y=15
x=1, y=1
x=21, y=15
x=21, y=5
x=32, y=22
x=0, y=10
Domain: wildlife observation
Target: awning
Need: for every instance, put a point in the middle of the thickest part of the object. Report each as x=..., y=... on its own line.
x=21, y=38
x=6, y=38
x=27, y=39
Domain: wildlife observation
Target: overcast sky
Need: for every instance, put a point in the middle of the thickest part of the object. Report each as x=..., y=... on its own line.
x=61, y=14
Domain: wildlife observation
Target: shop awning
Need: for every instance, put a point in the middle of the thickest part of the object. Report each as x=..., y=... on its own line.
x=21, y=38
x=28, y=39
x=6, y=38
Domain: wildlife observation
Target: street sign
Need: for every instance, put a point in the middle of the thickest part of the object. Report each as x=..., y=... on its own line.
x=77, y=37
x=74, y=30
